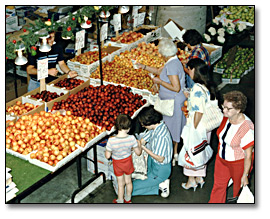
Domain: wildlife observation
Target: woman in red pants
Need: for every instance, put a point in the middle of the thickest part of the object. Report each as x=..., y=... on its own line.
x=235, y=149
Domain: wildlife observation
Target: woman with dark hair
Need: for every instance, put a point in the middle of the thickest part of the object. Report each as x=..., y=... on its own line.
x=235, y=148
x=159, y=149
x=197, y=98
x=194, y=40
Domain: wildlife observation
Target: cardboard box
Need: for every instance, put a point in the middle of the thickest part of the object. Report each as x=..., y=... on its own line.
x=40, y=104
x=174, y=30
x=215, y=52
x=49, y=105
x=76, y=89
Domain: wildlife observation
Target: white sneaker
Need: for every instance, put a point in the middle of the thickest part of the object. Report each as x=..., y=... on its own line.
x=165, y=188
x=175, y=159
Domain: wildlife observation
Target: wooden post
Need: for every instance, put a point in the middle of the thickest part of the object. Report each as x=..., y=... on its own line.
x=42, y=85
x=117, y=33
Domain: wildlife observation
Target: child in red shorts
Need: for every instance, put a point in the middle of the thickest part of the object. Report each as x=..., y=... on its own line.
x=119, y=147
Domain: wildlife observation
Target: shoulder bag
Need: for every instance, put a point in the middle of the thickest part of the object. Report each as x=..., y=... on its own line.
x=212, y=115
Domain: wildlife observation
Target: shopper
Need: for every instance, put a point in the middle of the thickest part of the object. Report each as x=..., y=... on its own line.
x=197, y=98
x=119, y=147
x=171, y=82
x=55, y=56
x=235, y=149
x=159, y=150
x=194, y=40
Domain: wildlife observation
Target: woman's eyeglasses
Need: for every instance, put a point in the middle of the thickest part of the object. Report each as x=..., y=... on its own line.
x=227, y=108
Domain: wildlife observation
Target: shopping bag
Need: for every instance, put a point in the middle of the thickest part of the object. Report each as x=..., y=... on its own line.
x=140, y=165
x=165, y=107
x=195, y=152
x=245, y=196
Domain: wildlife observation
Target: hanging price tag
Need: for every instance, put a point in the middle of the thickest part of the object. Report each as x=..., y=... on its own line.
x=42, y=69
x=141, y=18
x=135, y=20
x=80, y=38
x=117, y=22
x=42, y=73
x=135, y=10
x=104, y=32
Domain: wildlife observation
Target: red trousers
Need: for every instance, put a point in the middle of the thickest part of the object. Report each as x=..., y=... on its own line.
x=224, y=170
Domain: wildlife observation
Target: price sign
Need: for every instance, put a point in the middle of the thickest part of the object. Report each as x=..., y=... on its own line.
x=141, y=18
x=104, y=32
x=135, y=10
x=80, y=38
x=117, y=22
x=135, y=20
x=42, y=69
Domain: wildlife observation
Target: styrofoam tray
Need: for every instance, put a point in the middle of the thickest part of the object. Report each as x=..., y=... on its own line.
x=16, y=154
x=59, y=164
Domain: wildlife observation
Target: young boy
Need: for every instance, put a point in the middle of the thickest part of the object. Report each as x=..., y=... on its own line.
x=119, y=147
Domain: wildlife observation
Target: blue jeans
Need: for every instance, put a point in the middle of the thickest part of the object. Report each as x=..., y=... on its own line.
x=156, y=174
x=189, y=81
x=33, y=85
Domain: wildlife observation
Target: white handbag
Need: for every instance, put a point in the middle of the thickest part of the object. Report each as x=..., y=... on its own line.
x=165, y=107
x=212, y=115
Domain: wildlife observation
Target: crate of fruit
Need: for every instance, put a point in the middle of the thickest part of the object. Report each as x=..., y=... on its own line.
x=73, y=85
x=56, y=160
x=86, y=63
x=215, y=52
x=23, y=106
x=49, y=96
x=242, y=14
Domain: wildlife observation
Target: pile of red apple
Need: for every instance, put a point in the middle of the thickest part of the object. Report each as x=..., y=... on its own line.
x=19, y=108
x=89, y=57
x=127, y=37
x=50, y=137
x=102, y=104
x=46, y=96
x=69, y=83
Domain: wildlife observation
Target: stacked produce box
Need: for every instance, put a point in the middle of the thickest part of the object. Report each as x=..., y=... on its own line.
x=243, y=62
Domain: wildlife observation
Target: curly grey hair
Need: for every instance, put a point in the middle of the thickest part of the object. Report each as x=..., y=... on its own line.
x=166, y=47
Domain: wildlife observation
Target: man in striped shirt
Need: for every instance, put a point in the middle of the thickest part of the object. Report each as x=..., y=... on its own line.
x=159, y=149
x=55, y=56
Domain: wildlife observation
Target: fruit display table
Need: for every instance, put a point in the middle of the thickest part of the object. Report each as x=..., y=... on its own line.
x=29, y=177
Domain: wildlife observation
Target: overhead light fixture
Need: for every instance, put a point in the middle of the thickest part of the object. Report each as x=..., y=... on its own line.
x=87, y=23
x=20, y=60
x=105, y=15
x=45, y=47
x=123, y=9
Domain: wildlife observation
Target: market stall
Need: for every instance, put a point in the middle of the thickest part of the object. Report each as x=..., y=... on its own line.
x=69, y=116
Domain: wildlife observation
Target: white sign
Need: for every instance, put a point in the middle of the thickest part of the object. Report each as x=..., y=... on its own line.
x=80, y=38
x=42, y=69
x=117, y=22
x=135, y=20
x=135, y=10
x=104, y=32
x=141, y=18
